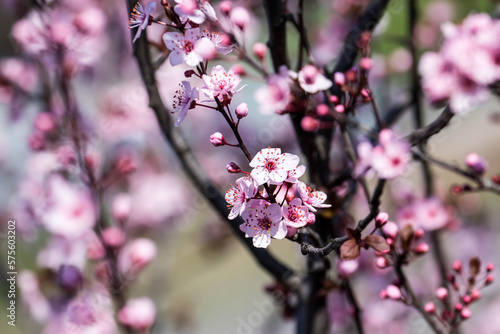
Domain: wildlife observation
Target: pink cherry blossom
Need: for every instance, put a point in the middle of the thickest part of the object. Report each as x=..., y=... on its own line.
x=237, y=197
x=184, y=100
x=220, y=41
x=140, y=17
x=294, y=174
x=269, y=165
x=70, y=211
x=311, y=80
x=428, y=214
x=195, y=11
x=262, y=223
x=275, y=96
x=220, y=84
x=296, y=215
x=391, y=157
x=139, y=313
x=183, y=47
x=312, y=198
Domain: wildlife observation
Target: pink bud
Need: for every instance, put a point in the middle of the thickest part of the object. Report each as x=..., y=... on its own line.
x=138, y=313
x=291, y=231
x=389, y=241
x=382, y=294
x=422, y=248
x=466, y=299
x=239, y=70
x=458, y=306
x=466, y=313
x=125, y=164
x=381, y=219
x=490, y=267
x=121, y=207
x=322, y=109
x=334, y=99
x=457, y=266
x=233, y=168
x=393, y=292
x=136, y=255
x=44, y=122
x=365, y=92
x=217, y=139
x=419, y=233
x=309, y=124
x=259, y=50
x=381, y=262
x=339, y=108
x=391, y=229
x=488, y=280
x=475, y=294
x=240, y=17
x=476, y=163
x=339, y=78
x=442, y=293
x=225, y=7
x=430, y=307
x=113, y=236
x=366, y=63
x=347, y=268
x=241, y=110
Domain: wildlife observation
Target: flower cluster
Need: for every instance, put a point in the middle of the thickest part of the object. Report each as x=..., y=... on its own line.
x=389, y=159
x=466, y=64
x=286, y=203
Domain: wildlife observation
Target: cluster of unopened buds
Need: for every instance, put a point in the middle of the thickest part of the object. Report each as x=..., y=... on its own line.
x=464, y=288
x=284, y=205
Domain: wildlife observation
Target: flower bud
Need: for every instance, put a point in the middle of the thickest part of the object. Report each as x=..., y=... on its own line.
x=259, y=50
x=457, y=266
x=366, y=63
x=225, y=7
x=475, y=294
x=309, y=124
x=113, y=236
x=233, y=168
x=381, y=262
x=239, y=70
x=347, y=268
x=442, y=293
x=419, y=233
x=121, y=207
x=430, y=307
x=466, y=299
x=382, y=294
x=217, y=139
x=241, y=110
x=391, y=229
x=488, y=280
x=458, y=306
x=339, y=108
x=476, y=163
x=322, y=109
x=44, y=122
x=465, y=313
x=69, y=278
x=136, y=255
x=422, y=248
x=339, y=78
x=334, y=99
x=138, y=314
x=240, y=17
x=496, y=179
x=393, y=292
x=311, y=218
x=490, y=267
x=36, y=141
x=381, y=219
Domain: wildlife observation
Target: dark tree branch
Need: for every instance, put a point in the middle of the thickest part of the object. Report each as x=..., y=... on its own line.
x=191, y=166
x=421, y=135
